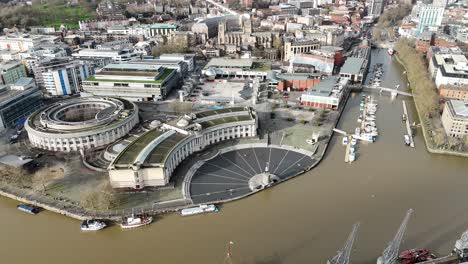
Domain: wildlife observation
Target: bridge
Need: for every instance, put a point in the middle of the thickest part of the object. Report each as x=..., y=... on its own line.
x=390, y=90
x=225, y=9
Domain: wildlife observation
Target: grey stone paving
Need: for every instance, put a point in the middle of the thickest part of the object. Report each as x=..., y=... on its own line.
x=227, y=175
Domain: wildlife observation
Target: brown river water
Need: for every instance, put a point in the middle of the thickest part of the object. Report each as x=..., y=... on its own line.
x=304, y=220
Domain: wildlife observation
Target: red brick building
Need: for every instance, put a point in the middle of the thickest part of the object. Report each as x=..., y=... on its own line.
x=294, y=81
x=424, y=42
x=443, y=40
x=459, y=92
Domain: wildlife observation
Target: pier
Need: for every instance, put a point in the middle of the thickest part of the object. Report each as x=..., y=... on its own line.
x=450, y=259
x=408, y=126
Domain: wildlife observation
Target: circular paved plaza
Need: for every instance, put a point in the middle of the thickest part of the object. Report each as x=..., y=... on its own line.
x=231, y=174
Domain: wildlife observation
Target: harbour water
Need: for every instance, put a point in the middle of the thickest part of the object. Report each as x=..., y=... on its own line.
x=304, y=220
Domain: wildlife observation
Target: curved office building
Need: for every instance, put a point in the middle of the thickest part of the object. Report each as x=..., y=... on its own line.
x=151, y=159
x=81, y=123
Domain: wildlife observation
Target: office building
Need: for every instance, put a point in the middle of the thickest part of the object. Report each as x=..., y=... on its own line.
x=133, y=81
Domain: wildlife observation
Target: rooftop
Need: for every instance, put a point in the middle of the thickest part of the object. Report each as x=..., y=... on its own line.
x=230, y=63
x=460, y=108
x=220, y=111
x=323, y=88
x=352, y=65
x=4, y=66
x=225, y=120
x=130, y=153
x=160, y=152
x=164, y=26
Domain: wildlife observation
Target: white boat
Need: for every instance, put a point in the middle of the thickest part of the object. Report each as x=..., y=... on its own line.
x=344, y=141
x=370, y=118
x=201, y=209
x=352, y=149
x=365, y=137
x=407, y=140
x=353, y=141
x=357, y=131
x=352, y=157
x=92, y=225
x=135, y=221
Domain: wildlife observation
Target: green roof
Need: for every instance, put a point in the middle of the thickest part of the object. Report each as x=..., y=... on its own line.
x=162, y=150
x=224, y=120
x=130, y=153
x=261, y=66
x=220, y=111
x=164, y=26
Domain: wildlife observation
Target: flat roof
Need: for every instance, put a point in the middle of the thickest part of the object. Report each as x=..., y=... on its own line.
x=130, y=153
x=229, y=63
x=14, y=161
x=132, y=66
x=220, y=111
x=225, y=120
x=460, y=108
x=323, y=88
x=6, y=65
x=352, y=65
x=164, y=26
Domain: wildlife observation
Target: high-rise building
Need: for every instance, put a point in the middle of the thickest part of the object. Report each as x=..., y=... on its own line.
x=11, y=71
x=376, y=8
x=429, y=16
x=61, y=76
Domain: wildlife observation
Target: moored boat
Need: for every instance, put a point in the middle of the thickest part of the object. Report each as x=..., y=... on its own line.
x=344, y=141
x=407, y=140
x=28, y=208
x=92, y=225
x=411, y=256
x=201, y=209
x=135, y=221
x=391, y=51
x=352, y=157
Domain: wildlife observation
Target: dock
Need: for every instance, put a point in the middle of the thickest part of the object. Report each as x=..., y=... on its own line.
x=408, y=126
x=450, y=259
x=348, y=146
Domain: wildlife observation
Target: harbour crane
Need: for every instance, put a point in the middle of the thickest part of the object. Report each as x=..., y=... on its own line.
x=390, y=253
x=342, y=256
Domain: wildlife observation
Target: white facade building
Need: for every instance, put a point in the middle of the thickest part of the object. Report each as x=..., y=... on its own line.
x=21, y=43
x=67, y=79
x=81, y=124
x=117, y=55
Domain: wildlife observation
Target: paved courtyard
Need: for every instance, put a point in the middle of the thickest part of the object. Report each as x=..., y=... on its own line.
x=222, y=92
x=227, y=175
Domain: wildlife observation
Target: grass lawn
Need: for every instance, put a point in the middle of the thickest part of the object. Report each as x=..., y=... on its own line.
x=56, y=15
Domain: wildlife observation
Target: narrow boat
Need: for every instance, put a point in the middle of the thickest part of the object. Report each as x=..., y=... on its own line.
x=92, y=225
x=407, y=140
x=203, y=208
x=353, y=141
x=352, y=149
x=352, y=157
x=403, y=117
x=135, y=221
x=28, y=208
x=411, y=256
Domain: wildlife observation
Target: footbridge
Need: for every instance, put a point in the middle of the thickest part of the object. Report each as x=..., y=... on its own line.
x=390, y=90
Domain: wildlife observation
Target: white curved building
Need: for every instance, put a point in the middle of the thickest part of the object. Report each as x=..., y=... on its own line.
x=151, y=159
x=81, y=124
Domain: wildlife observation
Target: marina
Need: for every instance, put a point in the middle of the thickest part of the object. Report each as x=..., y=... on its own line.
x=381, y=190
